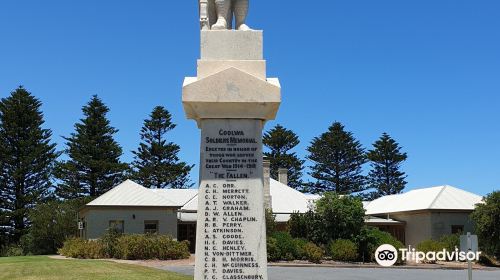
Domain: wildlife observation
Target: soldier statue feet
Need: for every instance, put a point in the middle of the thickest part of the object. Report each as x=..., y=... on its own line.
x=244, y=27
x=221, y=24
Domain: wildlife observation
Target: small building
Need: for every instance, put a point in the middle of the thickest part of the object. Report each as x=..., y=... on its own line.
x=134, y=209
x=131, y=208
x=411, y=217
x=422, y=214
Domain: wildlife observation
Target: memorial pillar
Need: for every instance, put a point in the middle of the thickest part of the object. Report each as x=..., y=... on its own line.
x=231, y=99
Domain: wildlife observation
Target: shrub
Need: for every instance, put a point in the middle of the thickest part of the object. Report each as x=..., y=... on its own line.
x=450, y=242
x=486, y=217
x=336, y=217
x=14, y=251
x=82, y=249
x=144, y=247
x=286, y=249
x=431, y=246
x=343, y=217
x=300, y=248
x=343, y=250
x=270, y=222
x=299, y=224
x=487, y=261
x=370, y=239
x=313, y=253
x=131, y=247
x=51, y=224
x=272, y=249
x=109, y=242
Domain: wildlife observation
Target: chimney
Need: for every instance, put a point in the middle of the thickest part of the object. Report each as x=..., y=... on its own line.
x=268, y=204
x=283, y=176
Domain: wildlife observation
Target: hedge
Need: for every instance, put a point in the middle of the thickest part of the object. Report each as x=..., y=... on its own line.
x=130, y=247
x=343, y=250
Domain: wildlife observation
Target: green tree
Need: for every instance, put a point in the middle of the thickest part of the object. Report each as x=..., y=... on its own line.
x=386, y=176
x=26, y=161
x=280, y=141
x=343, y=216
x=337, y=162
x=51, y=224
x=335, y=217
x=486, y=218
x=156, y=163
x=94, y=165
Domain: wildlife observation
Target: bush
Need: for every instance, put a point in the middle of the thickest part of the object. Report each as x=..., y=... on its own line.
x=130, y=247
x=145, y=247
x=343, y=250
x=270, y=222
x=300, y=225
x=82, y=249
x=487, y=261
x=286, y=249
x=272, y=249
x=336, y=217
x=300, y=248
x=431, y=246
x=109, y=242
x=450, y=242
x=486, y=217
x=51, y=224
x=370, y=239
x=282, y=247
x=14, y=251
x=313, y=253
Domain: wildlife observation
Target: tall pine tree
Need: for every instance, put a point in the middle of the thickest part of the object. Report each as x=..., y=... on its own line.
x=27, y=159
x=156, y=163
x=280, y=141
x=386, y=176
x=337, y=162
x=94, y=165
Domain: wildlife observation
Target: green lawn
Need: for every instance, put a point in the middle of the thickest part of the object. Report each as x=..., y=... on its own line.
x=45, y=268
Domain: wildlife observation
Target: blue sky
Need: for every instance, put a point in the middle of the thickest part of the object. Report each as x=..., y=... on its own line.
x=425, y=71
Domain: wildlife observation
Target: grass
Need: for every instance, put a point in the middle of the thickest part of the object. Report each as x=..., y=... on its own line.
x=45, y=268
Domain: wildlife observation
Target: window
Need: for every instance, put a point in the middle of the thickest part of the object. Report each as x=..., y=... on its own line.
x=457, y=229
x=151, y=227
x=119, y=225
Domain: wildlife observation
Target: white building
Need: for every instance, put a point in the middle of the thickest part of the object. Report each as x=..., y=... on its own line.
x=411, y=217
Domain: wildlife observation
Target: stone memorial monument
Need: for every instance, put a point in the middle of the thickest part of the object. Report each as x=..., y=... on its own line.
x=230, y=99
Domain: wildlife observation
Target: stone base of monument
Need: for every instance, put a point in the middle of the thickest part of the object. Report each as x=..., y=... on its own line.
x=231, y=99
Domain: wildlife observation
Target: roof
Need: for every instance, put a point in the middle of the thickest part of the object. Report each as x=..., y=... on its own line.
x=130, y=193
x=179, y=196
x=375, y=220
x=435, y=198
x=285, y=201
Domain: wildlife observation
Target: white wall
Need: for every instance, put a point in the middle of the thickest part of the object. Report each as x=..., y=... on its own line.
x=97, y=220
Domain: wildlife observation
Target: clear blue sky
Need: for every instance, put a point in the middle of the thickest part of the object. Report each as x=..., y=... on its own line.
x=425, y=71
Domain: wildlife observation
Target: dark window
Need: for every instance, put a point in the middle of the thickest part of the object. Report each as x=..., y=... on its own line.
x=119, y=225
x=151, y=227
x=457, y=229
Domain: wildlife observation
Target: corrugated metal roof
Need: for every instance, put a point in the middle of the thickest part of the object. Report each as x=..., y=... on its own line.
x=285, y=201
x=435, y=198
x=375, y=220
x=130, y=193
x=180, y=197
x=288, y=200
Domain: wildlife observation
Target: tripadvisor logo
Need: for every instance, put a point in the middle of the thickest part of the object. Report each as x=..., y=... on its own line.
x=386, y=255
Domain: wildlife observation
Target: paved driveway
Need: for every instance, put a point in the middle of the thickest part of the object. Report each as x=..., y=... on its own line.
x=317, y=273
